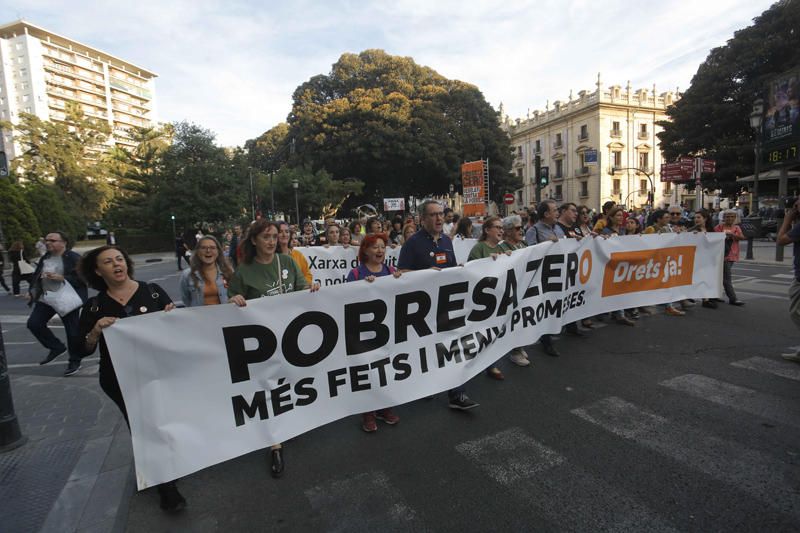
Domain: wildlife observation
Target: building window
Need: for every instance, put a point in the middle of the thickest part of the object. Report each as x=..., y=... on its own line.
x=616, y=158
x=643, y=131
x=519, y=149
x=643, y=186
x=616, y=187
x=584, y=133
x=644, y=161
x=558, y=192
x=584, y=189
x=538, y=146
x=519, y=173
x=667, y=187
x=559, y=143
x=559, y=169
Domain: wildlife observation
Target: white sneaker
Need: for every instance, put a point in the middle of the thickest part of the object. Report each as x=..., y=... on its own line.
x=795, y=357
x=518, y=357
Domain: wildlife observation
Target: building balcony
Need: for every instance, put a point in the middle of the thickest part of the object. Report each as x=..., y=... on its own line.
x=583, y=138
x=537, y=150
x=616, y=134
x=615, y=169
x=581, y=172
x=645, y=170
x=558, y=145
x=644, y=135
x=557, y=177
x=583, y=194
x=558, y=197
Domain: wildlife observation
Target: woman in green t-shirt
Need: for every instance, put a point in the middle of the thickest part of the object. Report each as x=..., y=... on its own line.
x=264, y=272
x=490, y=244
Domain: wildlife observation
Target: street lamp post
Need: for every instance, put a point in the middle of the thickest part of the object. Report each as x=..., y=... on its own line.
x=756, y=119
x=10, y=435
x=252, y=194
x=173, y=226
x=295, y=185
x=649, y=178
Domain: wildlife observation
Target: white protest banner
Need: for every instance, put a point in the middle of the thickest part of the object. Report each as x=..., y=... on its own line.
x=205, y=385
x=330, y=266
x=394, y=204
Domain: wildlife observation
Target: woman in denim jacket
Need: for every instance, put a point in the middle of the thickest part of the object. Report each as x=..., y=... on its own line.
x=205, y=282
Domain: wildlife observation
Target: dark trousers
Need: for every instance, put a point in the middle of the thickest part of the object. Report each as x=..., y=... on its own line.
x=16, y=277
x=3, y=280
x=726, y=281
x=37, y=324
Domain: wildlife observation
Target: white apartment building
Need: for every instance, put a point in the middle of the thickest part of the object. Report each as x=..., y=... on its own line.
x=41, y=71
x=620, y=123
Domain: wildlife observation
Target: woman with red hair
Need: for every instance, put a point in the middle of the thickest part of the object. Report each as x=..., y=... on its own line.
x=371, y=255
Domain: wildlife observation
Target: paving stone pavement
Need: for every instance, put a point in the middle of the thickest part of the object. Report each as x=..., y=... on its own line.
x=74, y=473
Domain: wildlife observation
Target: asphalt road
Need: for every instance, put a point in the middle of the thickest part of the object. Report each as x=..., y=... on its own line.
x=678, y=424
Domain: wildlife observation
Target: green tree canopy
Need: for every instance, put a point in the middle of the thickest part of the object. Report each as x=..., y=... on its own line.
x=318, y=195
x=17, y=221
x=711, y=118
x=401, y=128
x=69, y=154
x=136, y=174
x=53, y=210
x=199, y=182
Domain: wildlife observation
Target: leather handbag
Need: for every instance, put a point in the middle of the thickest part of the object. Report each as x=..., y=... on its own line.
x=65, y=300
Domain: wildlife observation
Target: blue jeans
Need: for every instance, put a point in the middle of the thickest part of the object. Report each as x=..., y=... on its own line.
x=37, y=324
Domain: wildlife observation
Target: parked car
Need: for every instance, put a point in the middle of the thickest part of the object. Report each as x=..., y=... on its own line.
x=94, y=230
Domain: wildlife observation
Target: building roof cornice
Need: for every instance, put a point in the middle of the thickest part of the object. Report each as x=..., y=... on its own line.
x=22, y=27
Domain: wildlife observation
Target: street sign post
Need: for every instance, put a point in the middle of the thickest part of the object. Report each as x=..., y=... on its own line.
x=508, y=198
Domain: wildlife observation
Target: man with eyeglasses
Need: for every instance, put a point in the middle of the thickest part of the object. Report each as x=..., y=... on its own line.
x=430, y=248
x=545, y=230
x=56, y=267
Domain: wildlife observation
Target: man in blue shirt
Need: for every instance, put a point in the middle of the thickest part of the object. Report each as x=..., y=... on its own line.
x=790, y=234
x=431, y=248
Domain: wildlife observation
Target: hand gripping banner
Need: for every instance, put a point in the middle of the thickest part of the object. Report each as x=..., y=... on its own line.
x=246, y=378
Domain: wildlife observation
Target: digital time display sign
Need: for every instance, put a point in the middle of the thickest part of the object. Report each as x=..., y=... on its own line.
x=786, y=152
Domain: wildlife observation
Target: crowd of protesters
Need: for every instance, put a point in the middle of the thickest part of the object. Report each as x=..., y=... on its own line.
x=263, y=260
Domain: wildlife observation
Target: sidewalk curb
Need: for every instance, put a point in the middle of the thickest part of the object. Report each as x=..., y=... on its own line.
x=95, y=499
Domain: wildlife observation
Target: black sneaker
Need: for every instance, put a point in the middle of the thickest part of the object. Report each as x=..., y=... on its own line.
x=52, y=355
x=462, y=402
x=171, y=500
x=551, y=350
x=72, y=368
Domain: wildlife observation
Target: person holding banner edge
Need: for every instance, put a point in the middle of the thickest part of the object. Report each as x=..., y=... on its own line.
x=266, y=272
x=430, y=248
x=109, y=270
x=371, y=255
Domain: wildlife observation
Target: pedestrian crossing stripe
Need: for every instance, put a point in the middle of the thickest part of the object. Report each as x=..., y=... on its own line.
x=763, y=477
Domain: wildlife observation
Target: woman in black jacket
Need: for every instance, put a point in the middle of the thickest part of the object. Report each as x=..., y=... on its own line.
x=109, y=270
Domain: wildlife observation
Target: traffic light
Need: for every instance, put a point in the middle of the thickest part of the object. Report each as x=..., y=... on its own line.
x=544, y=176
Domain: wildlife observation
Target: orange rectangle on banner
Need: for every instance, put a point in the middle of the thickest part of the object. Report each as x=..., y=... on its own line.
x=648, y=270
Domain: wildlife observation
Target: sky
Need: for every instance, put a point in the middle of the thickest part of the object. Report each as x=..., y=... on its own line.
x=231, y=66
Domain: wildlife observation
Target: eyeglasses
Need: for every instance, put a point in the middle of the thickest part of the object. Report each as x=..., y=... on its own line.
x=207, y=248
